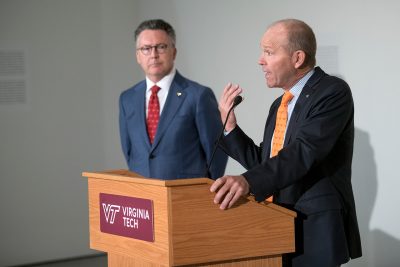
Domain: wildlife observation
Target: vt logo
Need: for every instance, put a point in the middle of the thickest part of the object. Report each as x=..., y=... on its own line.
x=110, y=211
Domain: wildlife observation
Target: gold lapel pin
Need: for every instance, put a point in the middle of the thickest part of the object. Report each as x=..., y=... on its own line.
x=178, y=93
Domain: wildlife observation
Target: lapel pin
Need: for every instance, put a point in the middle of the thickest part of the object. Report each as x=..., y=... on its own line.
x=178, y=93
x=307, y=96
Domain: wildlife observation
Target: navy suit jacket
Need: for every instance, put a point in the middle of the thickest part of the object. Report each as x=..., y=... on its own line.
x=188, y=128
x=312, y=173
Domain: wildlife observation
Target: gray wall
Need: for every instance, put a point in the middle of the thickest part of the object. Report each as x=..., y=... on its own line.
x=80, y=56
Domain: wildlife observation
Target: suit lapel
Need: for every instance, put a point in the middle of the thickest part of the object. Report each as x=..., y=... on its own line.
x=139, y=103
x=176, y=96
x=305, y=96
x=269, y=129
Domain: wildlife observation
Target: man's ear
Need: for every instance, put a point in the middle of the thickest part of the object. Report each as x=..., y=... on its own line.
x=138, y=57
x=175, y=52
x=298, y=59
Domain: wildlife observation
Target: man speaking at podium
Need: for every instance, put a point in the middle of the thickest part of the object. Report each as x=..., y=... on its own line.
x=304, y=162
x=168, y=124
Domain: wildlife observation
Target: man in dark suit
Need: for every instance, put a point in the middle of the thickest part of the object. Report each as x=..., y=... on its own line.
x=310, y=171
x=169, y=133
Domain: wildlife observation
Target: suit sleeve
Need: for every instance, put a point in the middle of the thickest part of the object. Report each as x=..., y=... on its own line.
x=316, y=135
x=242, y=148
x=208, y=121
x=123, y=131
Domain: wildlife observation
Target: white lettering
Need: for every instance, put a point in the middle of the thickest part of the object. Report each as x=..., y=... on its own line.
x=131, y=223
x=136, y=213
x=110, y=211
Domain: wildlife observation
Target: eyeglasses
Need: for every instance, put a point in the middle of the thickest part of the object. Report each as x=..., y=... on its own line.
x=147, y=49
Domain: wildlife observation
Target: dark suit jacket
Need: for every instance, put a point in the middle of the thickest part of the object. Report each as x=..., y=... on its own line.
x=312, y=173
x=188, y=128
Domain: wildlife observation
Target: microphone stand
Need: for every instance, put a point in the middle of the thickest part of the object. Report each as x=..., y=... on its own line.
x=238, y=99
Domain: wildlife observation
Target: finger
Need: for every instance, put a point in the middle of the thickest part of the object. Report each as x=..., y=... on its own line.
x=226, y=89
x=225, y=92
x=217, y=184
x=235, y=91
x=225, y=95
x=226, y=201
x=229, y=93
x=230, y=96
x=240, y=188
x=234, y=199
x=221, y=194
x=230, y=89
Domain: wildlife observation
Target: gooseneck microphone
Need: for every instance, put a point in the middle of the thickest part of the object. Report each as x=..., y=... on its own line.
x=236, y=101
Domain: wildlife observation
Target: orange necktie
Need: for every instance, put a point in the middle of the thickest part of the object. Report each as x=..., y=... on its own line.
x=153, y=113
x=280, y=126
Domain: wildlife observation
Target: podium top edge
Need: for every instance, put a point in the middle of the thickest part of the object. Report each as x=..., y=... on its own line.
x=127, y=176
x=132, y=177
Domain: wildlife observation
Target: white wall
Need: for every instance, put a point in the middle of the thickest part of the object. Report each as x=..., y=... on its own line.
x=47, y=143
x=81, y=57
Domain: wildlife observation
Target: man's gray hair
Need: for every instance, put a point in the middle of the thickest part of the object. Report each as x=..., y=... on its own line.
x=156, y=24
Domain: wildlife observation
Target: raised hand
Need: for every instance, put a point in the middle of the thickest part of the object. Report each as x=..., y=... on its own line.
x=225, y=103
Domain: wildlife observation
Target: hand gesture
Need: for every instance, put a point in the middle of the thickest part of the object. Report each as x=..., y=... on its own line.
x=225, y=104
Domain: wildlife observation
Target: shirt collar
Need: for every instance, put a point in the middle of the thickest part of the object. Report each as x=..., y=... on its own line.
x=164, y=83
x=298, y=87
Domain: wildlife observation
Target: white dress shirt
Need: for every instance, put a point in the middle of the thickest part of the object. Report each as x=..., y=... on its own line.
x=164, y=84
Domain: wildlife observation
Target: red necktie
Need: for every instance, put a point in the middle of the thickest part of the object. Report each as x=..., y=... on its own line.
x=280, y=127
x=153, y=114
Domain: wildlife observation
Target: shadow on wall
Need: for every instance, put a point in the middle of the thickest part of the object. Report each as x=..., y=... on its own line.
x=379, y=248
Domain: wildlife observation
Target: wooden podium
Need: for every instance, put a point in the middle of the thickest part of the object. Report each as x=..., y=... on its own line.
x=188, y=228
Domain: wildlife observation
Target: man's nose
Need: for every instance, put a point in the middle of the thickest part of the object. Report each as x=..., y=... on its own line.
x=261, y=60
x=154, y=51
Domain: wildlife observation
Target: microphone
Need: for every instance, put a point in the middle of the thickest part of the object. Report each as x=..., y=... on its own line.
x=236, y=101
